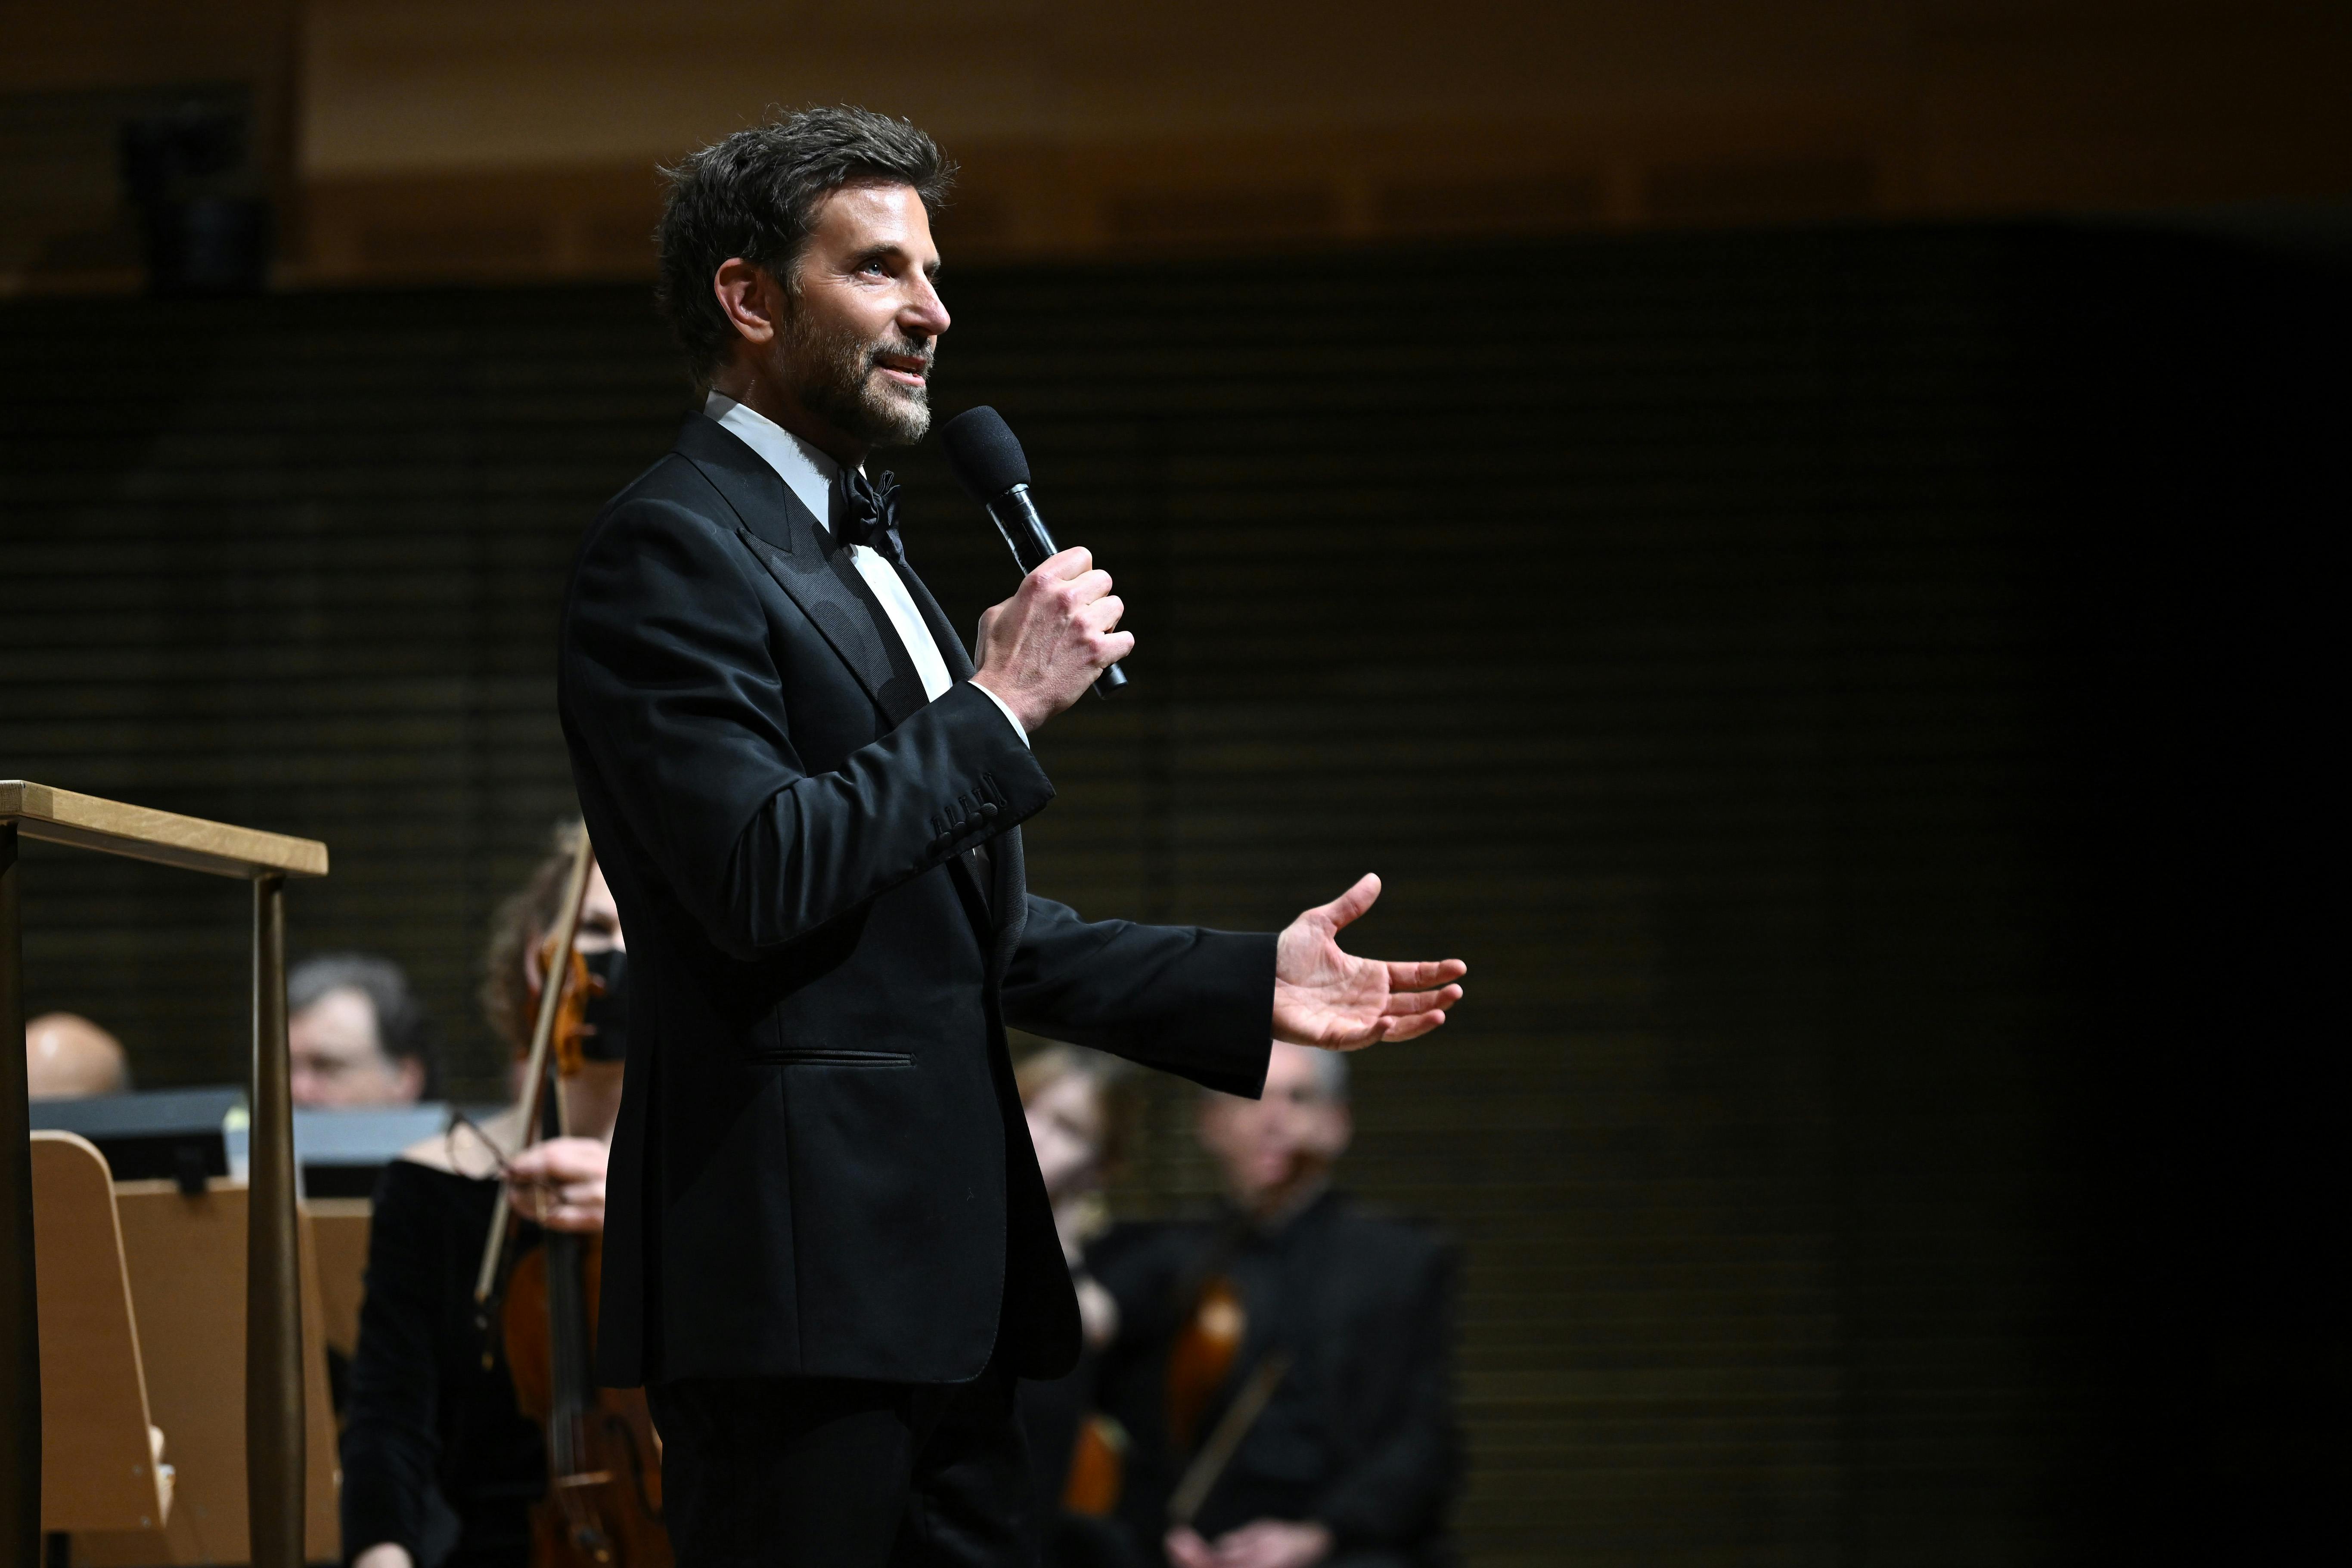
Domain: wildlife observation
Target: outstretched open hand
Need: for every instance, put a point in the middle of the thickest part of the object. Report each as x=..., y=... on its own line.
x=1331, y=998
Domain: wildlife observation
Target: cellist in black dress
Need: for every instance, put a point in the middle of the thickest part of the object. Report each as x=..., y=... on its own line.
x=440, y=1468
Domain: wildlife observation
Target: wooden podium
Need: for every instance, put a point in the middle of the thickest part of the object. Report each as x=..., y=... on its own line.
x=276, y=1435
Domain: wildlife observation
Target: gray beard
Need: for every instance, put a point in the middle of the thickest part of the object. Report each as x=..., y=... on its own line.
x=841, y=387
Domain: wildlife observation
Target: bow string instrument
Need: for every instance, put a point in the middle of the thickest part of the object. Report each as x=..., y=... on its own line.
x=604, y=1504
x=1200, y=1366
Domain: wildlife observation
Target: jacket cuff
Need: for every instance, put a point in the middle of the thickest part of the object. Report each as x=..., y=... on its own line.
x=1008, y=785
x=1003, y=708
x=1236, y=1026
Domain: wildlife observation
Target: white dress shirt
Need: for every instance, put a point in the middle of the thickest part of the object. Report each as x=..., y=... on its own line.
x=809, y=474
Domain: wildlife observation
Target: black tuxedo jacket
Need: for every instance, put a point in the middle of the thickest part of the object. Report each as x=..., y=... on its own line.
x=821, y=1167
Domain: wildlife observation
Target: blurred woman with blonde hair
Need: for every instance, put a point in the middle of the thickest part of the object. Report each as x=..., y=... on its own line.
x=1082, y=1110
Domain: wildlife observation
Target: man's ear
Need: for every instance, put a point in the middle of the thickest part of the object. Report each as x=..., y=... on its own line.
x=750, y=298
x=410, y=1074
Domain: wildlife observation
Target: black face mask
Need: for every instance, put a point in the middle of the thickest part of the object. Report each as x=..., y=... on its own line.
x=607, y=1039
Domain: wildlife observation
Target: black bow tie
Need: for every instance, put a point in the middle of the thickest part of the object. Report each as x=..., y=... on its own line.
x=868, y=513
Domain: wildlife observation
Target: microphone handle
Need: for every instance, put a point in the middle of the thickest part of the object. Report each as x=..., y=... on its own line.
x=1016, y=515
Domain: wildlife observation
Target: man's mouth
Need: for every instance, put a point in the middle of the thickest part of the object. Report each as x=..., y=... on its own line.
x=904, y=369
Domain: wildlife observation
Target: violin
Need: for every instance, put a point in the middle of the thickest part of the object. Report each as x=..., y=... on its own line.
x=602, y=1508
x=1200, y=1361
x=1200, y=1358
x=1200, y=1366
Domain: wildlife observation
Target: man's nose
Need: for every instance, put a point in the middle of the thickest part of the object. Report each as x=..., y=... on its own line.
x=926, y=314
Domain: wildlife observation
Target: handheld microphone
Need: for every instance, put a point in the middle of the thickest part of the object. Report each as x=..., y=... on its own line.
x=994, y=470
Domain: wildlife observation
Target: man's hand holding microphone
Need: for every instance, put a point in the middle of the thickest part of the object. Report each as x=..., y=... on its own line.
x=1041, y=649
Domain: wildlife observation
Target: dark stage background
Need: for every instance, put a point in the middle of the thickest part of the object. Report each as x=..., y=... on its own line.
x=1851, y=697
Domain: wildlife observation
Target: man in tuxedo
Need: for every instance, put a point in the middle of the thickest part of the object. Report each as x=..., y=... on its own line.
x=828, y=1252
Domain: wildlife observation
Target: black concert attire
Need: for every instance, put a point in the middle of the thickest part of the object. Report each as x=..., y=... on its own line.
x=436, y=1457
x=1359, y=1435
x=828, y=1249
x=1054, y=1412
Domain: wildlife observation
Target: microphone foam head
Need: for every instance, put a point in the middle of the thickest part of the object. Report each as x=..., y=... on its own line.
x=984, y=453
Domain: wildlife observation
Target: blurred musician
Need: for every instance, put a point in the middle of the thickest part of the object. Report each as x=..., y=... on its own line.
x=439, y=1467
x=1079, y=1105
x=357, y=1034
x=67, y=1057
x=1352, y=1460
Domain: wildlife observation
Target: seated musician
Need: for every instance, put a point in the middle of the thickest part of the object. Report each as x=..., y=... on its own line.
x=1079, y=1105
x=356, y=1034
x=440, y=1470
x=1343, y=1330
x=67, y=1057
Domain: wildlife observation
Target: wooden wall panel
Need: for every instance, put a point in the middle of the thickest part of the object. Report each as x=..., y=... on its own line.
x=1681, y=627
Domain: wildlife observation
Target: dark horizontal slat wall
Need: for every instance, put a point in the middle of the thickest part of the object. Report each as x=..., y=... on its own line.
x=1565, y=620
x=293, y=563
x=1671, y=622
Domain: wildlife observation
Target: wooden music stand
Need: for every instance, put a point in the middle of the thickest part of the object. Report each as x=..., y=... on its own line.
x=101, y=1465
x=338, y=1229
x=275, y=1435
x=186, y=1260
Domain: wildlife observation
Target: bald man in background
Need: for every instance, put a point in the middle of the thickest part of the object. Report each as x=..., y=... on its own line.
x=67, y=1057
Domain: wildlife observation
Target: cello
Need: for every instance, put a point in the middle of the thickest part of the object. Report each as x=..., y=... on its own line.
x=603, y=1507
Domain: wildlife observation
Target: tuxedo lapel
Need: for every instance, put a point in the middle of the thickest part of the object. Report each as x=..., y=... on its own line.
x=1008, y=893
x=802, y=556
x=951, y=648
x=821, y=578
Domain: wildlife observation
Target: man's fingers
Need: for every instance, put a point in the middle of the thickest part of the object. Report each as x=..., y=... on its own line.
x=1117, y=647
x=1425, y=975
x=1423, y=1001
x=1345, y=909
x=1410, y=1028
x=1076, y=562
x=1103, y=614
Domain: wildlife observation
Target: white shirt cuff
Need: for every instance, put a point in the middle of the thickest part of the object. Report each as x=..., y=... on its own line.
x=1007, y=712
